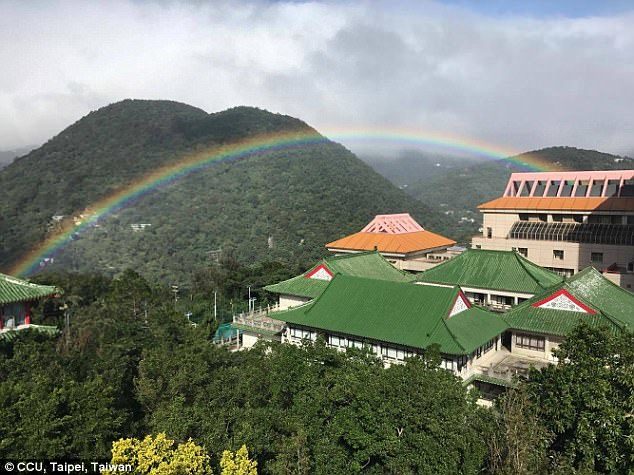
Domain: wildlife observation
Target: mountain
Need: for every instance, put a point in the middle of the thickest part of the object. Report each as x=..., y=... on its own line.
x=282, y=204
x=7, y=156
x=485, y=181
x=411, y=166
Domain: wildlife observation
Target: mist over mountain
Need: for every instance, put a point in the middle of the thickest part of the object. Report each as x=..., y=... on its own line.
x=284, y=204
x=7, y=156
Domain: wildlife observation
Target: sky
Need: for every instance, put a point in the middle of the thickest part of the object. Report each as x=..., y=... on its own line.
x=518, y=75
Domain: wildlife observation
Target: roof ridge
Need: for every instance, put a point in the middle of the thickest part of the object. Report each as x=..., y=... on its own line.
x=319, y=297
x=338, y=257
x=444, y=319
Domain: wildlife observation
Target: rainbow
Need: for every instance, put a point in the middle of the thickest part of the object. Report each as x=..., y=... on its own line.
x=193, y=162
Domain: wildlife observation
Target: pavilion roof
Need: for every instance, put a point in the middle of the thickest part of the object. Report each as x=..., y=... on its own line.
x=492, y=270
x=410, y=315
x=13, y=290
x=314, y=281
x=585, y=297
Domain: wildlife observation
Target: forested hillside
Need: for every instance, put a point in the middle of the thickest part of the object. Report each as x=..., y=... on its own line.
x=485, y=181
x=279, y=205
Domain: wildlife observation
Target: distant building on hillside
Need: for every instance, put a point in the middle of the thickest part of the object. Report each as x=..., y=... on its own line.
x=566, y=221
x=16, y=298
x=401, y=240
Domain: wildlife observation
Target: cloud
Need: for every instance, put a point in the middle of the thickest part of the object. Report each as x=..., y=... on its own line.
x=520, y=82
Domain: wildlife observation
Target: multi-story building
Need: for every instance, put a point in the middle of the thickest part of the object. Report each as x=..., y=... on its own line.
x=566, y=221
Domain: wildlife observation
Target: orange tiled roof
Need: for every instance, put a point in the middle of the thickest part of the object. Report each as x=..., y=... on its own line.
x=561, y=204
x=404, y=243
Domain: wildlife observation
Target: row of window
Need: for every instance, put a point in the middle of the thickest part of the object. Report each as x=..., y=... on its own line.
x=559, y=254
x=530, y=342
x=578, y=218
x=388, y=352
x=617, y=234
x=569, y=188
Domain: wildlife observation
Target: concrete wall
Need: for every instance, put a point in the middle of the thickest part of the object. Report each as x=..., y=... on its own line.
x=551, y=343
x=287, y=301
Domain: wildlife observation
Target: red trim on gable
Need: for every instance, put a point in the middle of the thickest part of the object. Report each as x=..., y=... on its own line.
x=568, y=295
x=464, y=298
x=317, y=269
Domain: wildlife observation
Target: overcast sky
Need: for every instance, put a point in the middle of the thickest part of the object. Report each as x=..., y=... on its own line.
x=517, y=74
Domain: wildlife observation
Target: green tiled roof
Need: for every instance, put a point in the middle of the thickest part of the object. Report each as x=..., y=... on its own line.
x=613, y=305
x=13, y=289
x=365, y=264
x=10, y=335
x=400, y=313
x=493, y=270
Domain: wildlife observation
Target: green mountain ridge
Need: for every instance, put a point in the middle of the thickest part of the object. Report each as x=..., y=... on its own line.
x=284, y=204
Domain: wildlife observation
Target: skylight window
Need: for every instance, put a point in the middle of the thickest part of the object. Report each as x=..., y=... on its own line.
x=567, y=187
x=597, y=187
x=526, y=189
x=582, y=188
x=613, y=188
x=540, y=187
x=553, y=188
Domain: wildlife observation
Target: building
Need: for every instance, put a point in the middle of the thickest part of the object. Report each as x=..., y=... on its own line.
x=397, y=320
x=566, y=221
x=16, y=299
x=400, y=239
x=313, y=282
x=537, y=326
x=496, y=279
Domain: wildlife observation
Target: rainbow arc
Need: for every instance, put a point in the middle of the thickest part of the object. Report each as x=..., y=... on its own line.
x=192, y=163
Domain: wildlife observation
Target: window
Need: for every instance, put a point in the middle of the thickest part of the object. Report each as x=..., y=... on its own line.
x=558, y=254
x=596, y=257
x=523, y=251
x=461, y=362
x=530, y=342
x=630, y=267
x=617, y=234
x=516, y=188
x=553, y=188
x=630, y=220
x=597, y=187
x=613, y=188
x=489, y=233
x=566, y=189
x=628, y=188
x=540, y=187
x=582, y=188
x=526, y=189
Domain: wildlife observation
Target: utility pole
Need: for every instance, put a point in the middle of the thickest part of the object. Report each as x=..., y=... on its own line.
x=215, y=306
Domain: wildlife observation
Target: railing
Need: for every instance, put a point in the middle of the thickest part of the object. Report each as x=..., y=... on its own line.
x=259, y=319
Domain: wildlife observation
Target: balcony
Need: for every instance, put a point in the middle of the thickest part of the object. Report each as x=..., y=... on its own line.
x=259, y=320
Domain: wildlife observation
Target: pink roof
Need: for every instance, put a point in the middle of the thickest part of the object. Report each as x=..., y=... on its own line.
x=392, y=224
x=581, y=184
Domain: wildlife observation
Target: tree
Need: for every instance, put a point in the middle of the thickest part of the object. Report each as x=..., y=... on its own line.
x=587, y=401
x=518, y=443
x=160, y=456
x=238, y=463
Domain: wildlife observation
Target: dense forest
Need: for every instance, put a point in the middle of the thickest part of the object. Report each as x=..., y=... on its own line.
x=130, y=366
x=284, y=204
